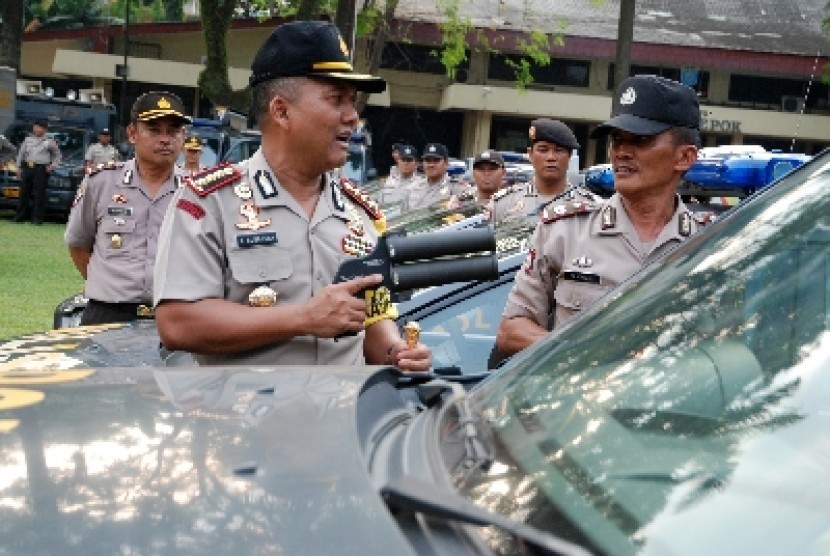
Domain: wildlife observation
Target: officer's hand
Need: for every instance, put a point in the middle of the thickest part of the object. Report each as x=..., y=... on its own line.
x=335, y=310
x=417, y=359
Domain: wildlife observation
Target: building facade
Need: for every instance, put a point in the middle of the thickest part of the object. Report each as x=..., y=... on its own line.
x=757, y=74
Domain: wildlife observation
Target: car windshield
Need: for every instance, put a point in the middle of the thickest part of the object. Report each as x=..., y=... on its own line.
x=692, y=398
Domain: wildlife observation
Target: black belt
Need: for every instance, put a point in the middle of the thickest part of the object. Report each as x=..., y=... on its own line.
x=137, y=310
x=35, y=165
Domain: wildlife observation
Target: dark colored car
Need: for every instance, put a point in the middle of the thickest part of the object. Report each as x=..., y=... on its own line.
x=684, y=413
x=222, y=143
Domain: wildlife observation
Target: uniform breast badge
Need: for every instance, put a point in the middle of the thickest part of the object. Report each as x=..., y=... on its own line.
x=262, y=296
x=115, y=241
x=251, y=212
x=243, y=191
x=118, y=198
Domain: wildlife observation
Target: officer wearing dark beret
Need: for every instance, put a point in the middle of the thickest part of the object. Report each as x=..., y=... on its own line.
x=114, y=224
x=249, y=253
x=551, y=144
x=582, y=249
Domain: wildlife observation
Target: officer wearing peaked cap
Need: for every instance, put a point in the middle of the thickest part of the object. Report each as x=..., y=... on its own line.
x=551, y=145
x=39, y=154
x=397, y=186
x=582, y=249
x=192, y=154
x=249, y=252
x=114, y=224
x=436, y=186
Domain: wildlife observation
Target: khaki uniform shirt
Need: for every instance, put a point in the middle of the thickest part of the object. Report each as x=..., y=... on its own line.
x=114, y=216
x=38, y=150
x=395, y=191
x=251, y=232
x=522, y=201
x=422, y=194
x=100, y=154
x=581, y=250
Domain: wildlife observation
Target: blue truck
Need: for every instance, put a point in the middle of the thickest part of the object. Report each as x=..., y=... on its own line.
x=74, y=122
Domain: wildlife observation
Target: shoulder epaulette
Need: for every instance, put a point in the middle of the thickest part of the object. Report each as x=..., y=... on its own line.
x=204, y=182
x=111, y=165
x=560, y=211
x=505, y=191
x=361, y=198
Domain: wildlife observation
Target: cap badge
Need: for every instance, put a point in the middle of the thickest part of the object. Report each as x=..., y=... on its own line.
x=163, y=103
x=628, y=96
x=532, y=132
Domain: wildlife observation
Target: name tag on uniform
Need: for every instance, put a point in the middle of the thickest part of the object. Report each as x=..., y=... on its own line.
x=251, y=240
x=582, y=277
x=120, y=211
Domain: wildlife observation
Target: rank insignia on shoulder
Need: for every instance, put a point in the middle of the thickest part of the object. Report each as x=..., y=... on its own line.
x=560, y=211
x=206, y=181
x=504, y=192
x=360, y=198
x=111, y=165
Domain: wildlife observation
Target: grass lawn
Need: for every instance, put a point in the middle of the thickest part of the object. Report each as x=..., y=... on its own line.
x=36, y=274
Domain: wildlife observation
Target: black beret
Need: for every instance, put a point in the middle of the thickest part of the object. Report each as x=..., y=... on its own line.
x=552, y=131
x=312, y=48
x=649, y=104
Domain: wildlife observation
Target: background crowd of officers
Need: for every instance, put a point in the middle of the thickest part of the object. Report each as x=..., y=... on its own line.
x=249, y=277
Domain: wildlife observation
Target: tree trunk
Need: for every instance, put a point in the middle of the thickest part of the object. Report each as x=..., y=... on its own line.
x=625, y=36
x=213, y=81
x=375, y=45
x=12, y=33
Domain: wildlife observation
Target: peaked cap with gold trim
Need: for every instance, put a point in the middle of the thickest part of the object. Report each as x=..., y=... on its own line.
x=158, y=104
x=312, y=48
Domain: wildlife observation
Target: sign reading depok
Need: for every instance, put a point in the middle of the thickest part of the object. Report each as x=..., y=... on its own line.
x=708, y=122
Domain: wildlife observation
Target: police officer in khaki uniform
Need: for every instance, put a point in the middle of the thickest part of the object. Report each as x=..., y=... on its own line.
x=192, y=155
x=436, y=185
x=581, y=249
x=102, y=152
x=551, y=145
x=488, y=175
x=37, y=157
x=114, y=224
x=396, y=187
x=248, y=253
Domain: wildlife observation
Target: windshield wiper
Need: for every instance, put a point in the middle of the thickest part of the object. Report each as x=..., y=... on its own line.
x=409, y=493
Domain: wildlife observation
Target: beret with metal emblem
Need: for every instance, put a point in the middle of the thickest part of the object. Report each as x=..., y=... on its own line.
x=552, y=131
x=313, y=48
x=649, y=104
x=158, y=104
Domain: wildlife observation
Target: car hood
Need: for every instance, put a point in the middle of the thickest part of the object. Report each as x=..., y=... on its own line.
x=152, y=460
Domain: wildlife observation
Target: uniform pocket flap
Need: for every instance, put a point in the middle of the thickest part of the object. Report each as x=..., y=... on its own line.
x=254, y=266
x=578, y=295
x=122, y=227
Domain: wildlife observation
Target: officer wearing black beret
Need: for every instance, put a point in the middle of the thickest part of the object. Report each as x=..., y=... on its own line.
x=249, y=253
x=113, y=227
x=582, y=249
x=551, y=145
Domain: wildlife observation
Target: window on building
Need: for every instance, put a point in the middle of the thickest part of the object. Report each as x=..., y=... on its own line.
x=695, y=78
x=789, y=94
x=416, y=58
x=564, y=72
